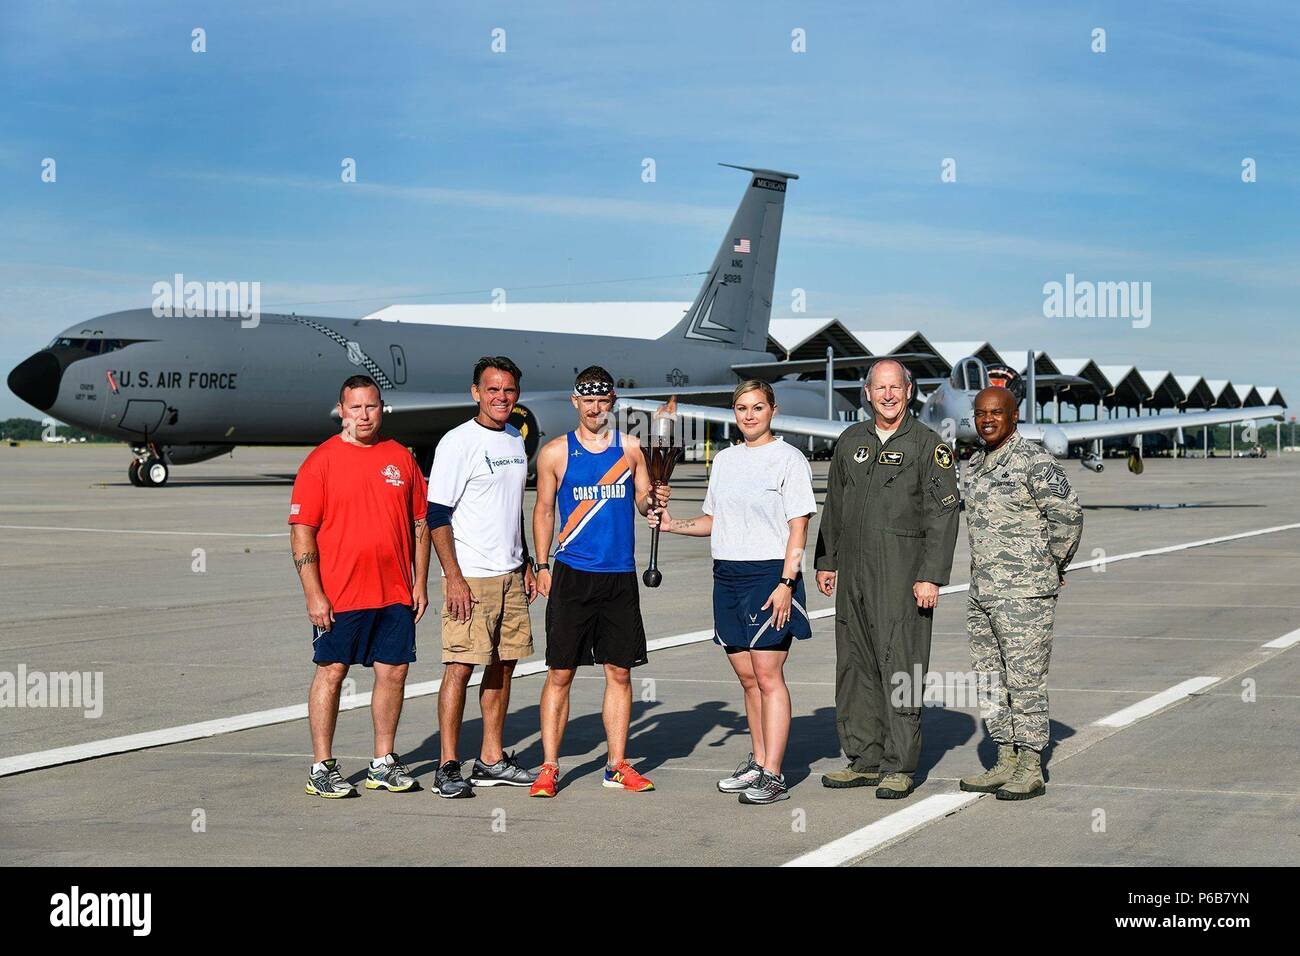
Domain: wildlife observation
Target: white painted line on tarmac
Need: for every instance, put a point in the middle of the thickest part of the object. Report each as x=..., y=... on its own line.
x=200, y=534
x=1145, y=708
x=264, y=718
x=1286, y=640
x=1169, y=549
x=861, y=842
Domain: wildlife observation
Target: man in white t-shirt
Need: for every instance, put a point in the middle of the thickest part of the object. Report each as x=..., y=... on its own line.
x=476, y=496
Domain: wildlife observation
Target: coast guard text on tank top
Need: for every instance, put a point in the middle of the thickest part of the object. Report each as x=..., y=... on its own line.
x=597, y=509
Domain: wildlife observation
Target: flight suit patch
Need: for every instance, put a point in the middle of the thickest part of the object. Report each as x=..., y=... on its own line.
x=942, y=456
x=948, y=499
x=890, y=458
x=862, y=454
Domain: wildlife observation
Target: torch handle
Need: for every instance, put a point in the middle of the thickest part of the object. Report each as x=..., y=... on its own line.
x=652, y=577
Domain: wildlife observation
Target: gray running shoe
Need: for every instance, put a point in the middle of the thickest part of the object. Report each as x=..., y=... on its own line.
x=769, y=788
x=506, y=772
x=447, y=782
x=746, y=775
x=392, y=776
x=328, y=782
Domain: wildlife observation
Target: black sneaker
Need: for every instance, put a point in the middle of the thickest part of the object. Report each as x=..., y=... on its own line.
x=506, y=772
x=447, y=782
x=768, y=788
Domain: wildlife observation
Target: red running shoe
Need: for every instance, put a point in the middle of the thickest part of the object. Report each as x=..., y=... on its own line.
x=547, y=778
x=624, y=777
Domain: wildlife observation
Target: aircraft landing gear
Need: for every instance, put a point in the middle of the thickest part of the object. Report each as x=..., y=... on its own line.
x=148, y=469
x=1135, y=461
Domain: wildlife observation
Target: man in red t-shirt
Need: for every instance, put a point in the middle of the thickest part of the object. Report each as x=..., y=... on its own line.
x=357, y=522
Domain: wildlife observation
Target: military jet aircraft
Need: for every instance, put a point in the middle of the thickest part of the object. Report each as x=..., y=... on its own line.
x=180, y=390
x=949, y=411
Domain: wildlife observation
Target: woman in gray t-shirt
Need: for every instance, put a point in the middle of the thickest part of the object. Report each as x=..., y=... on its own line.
x=756, y=511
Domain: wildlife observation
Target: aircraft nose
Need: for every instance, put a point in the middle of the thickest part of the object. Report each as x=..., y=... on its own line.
x=36, y=380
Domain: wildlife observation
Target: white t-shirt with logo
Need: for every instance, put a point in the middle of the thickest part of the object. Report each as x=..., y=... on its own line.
x=479, y=472
x=753, y=493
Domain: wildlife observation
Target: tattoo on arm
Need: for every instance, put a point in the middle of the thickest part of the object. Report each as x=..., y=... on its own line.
x=683, y=524
x=307, y=557
x=421, y=529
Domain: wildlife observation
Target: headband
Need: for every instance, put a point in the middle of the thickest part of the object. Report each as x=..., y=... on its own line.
x=604, y=387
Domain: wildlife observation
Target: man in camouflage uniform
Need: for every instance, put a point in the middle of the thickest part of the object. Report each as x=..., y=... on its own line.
x=886, y=539
x=1024, y=522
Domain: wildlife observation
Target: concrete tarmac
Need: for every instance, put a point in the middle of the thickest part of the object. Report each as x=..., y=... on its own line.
x=184, y=599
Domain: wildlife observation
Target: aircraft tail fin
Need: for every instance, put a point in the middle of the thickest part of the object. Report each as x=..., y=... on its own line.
x=734, y=306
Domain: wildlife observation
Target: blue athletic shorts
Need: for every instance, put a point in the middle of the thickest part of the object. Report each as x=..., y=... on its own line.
x=384, y=634
x=740, y=589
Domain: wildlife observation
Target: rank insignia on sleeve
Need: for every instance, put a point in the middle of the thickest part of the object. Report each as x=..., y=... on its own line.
x=890, y=458
x=1057, y=483
x=942, y=456
x=862, y=454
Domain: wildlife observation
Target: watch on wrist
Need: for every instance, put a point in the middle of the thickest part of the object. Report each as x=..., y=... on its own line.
x=789, y=582
x=541, y=567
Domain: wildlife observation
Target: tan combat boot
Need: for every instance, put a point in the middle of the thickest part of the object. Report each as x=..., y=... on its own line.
x=992, y=779
x=894, y=786
x=1027, y=780
x=848, y=777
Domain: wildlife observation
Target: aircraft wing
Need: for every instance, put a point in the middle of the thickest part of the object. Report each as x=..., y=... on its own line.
x=438, y=409
x=784, y=424
x=1146, y=424
x=625, y=395
x=1074, y=431
x=775, y=369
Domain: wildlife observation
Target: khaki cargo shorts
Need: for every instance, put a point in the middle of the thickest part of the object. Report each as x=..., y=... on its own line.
x=499, y=628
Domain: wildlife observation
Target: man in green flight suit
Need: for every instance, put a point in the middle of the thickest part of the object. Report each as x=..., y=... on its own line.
x=886, y=541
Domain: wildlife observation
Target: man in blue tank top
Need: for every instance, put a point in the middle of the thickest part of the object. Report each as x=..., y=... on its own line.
x=597, y=476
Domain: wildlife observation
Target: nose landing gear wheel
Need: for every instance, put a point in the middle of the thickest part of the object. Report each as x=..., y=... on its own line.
x=151, y=473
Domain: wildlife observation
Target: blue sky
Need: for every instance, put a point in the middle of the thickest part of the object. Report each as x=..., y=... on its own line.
x=479, y=169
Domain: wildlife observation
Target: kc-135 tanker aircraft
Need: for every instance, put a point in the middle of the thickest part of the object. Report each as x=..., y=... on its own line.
x=180, y=390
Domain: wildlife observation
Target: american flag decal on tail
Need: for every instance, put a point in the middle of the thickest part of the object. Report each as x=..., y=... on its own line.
x=742, y=245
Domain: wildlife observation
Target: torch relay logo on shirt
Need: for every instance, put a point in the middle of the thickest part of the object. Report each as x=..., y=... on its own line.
x=392, y=475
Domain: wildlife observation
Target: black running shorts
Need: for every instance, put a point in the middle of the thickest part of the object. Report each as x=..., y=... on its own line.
x=593, y=617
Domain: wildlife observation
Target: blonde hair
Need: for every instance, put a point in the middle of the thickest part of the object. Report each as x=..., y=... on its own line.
x=754, y=385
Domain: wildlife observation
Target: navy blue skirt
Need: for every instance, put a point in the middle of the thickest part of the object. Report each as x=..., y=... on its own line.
x=740, y=589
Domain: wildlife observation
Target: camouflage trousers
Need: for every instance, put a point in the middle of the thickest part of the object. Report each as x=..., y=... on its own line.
x=1010, y=647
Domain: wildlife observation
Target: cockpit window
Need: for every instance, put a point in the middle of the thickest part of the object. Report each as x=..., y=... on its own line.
x=95, y=346
x=969, y=375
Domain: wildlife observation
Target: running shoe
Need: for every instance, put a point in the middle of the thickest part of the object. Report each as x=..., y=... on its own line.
x=328, y=782
x=448, y=782
x=744, y=777
x=623, y=777
x=769, y=788
x=506, y=772
x=391, y=775
x=547, y=780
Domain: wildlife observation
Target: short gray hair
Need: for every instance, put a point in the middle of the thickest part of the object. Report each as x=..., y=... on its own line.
x=907, y=375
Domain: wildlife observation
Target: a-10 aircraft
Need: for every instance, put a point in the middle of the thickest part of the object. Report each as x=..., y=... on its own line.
x=180, y=390
x=949, y=410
